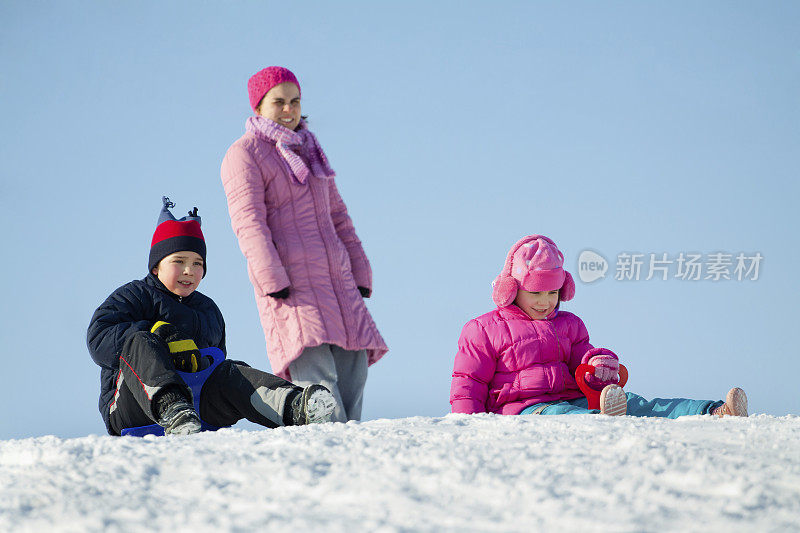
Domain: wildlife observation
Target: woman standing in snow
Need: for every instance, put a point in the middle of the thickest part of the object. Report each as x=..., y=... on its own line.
x=307, y=266
x=522, y=357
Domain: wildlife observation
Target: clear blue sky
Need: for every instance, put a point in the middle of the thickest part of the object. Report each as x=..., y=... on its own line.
x=455, y=128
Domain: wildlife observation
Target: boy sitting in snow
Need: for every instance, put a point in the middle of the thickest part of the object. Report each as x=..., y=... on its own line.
x=148, y=329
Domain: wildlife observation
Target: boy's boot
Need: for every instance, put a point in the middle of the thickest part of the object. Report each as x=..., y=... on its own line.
x=175, y=414
x=313, y=405
x=613, y=401
x=735, y=404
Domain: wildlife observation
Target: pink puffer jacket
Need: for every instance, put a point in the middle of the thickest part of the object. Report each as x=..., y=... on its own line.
x=506, y=361
x=298, y=235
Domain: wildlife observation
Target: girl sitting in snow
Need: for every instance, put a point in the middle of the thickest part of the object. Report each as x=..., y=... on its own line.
x=521, y=358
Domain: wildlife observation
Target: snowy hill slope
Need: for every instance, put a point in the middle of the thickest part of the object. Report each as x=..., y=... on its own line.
x=456, y=473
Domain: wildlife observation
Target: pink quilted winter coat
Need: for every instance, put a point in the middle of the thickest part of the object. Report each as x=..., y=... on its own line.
x=298, y=235
x=506, y=361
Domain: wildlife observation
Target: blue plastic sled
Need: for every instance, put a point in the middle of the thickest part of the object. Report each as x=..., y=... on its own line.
x=195, y=382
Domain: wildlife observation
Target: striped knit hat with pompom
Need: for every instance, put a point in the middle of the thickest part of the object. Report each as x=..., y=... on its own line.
x=173, y=235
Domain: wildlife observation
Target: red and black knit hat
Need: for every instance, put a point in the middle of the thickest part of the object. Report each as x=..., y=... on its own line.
x=173, y=235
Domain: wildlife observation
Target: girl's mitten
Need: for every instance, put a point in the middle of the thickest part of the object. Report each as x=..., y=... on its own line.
x=606, y=370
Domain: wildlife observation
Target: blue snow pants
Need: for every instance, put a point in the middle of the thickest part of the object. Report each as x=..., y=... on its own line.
x=637, y=406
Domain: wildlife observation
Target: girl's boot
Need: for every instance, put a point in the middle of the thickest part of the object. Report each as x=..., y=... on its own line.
x=613, y=401
x=735, y=404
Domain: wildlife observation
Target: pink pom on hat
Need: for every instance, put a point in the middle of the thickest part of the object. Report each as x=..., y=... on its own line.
x=262, y=81
x=533, y=264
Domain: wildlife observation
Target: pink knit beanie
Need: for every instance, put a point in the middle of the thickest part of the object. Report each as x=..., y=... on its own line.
x=533, y=264
x=262, y=81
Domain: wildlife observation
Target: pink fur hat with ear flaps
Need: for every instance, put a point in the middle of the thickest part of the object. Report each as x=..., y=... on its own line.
x=533, y=264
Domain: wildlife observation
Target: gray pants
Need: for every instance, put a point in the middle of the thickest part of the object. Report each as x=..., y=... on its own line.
x=343, y=372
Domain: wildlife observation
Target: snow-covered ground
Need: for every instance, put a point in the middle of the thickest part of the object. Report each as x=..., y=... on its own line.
x=456, y=473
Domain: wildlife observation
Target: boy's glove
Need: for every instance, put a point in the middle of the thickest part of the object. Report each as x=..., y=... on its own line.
x=365, y=292
x=606, y=370
x=281, y=294
x=185, y=354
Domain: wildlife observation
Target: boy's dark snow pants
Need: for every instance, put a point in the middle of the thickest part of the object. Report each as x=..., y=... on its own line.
x=233, y=390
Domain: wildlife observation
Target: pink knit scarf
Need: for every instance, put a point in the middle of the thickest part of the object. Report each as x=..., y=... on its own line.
x=292, y=145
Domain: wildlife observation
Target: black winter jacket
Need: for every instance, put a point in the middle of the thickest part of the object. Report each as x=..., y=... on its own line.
x=136, y=306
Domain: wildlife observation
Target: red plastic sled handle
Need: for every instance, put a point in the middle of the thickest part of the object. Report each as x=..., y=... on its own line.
x=593, y=396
